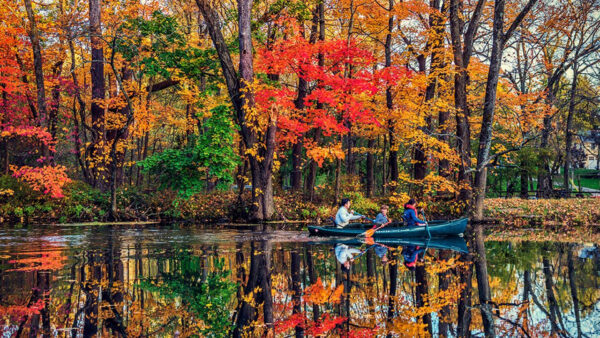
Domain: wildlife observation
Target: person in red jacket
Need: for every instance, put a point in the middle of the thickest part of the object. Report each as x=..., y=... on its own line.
x=410, y=214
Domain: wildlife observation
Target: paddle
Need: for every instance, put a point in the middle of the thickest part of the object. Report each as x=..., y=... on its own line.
x=426, y=224
x=367, y=218
x=362, y=253
x=370, y=232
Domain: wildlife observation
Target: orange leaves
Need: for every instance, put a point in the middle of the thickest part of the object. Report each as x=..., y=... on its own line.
x=46, y=257
x=321, y=154
x=47, y=179
x=16, y=313
x=31, y=133
x=318, y=294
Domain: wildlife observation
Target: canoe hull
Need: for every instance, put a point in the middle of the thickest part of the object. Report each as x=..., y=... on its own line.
x=454, y=243
x=449, y=228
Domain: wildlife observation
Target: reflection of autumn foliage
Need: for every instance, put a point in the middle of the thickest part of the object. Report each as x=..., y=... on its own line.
x=318, y=294
x=48, y=258
x=315, y=294
x=16, y=313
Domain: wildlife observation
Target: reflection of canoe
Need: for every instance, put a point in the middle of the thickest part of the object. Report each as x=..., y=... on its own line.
x=441, y=243
x=436, y=229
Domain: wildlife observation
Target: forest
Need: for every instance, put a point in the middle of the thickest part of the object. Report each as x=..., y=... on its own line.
x=262, y=110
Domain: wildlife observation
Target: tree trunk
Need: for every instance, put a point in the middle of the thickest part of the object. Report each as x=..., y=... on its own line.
x=568, y=134
x=34, y=36
x=444, y=319
x=98, y=89
x=573, y=288
x=296, y=290
x=338, y=174
x=261, y=164
x=499, y=38
x=370, y=167
x=318, y=18
x=296, y=178
x=389, y=101
x=462, y=52
x=464, y=305
x=524, y=181
x=422, y=293
x=483, y=283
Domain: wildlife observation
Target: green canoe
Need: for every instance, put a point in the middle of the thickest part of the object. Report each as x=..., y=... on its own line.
x=436, y=229
x=454, y=243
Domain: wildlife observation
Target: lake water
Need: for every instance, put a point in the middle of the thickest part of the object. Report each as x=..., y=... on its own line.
x=188, y=281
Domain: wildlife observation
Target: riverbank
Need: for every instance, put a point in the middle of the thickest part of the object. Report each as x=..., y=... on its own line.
x=82, y=204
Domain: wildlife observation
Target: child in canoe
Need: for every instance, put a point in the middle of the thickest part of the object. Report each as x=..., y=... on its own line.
x=382, y=217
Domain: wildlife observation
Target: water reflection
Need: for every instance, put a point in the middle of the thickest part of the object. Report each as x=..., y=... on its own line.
x=191, y=282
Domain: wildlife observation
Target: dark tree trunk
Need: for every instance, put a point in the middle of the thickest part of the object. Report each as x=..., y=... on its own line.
x=444, y=319
x=422, y=293
x=370, y=167
x=389, y=101
x=464, y=304
x=462, y=51
x=259, y=276
x=499, y=38
x=544, y=184
x=296, y=289
x=261, y=165
x=296, y=178
x=524, y=180
x=573, y=289
x=318, y=18
x=393, y=266
x=483, y=284
x=338, y=174
x=34, y=36
x=98, y=88
x=312, y=278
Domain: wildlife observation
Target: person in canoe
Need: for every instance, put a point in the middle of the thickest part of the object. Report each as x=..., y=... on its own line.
x=382, y=217
x=345, y=215
x=410, y=214
x=411, y=255
x=345, y=255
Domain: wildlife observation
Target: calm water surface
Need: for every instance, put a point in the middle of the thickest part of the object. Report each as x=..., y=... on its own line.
x=187, y=281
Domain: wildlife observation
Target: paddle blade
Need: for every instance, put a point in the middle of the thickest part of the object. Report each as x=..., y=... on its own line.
x=369, y=233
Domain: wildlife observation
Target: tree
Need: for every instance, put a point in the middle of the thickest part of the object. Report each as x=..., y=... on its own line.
x=499, y=39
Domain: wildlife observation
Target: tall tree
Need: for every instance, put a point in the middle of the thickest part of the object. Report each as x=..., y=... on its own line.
x=462, y=48
x=499, y=39
x=260, y=146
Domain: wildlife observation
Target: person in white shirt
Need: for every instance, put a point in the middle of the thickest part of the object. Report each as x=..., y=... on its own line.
x=344, y=214
x=345, y=255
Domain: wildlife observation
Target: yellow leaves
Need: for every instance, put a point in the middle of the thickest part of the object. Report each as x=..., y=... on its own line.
x=6, y=192
x=319, y=294
x=321, y=154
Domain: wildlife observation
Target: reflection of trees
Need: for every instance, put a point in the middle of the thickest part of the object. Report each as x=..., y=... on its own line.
x=444, y=284
x=465, y=274
x=483, y=283
x=257, y=290
x=534, y=289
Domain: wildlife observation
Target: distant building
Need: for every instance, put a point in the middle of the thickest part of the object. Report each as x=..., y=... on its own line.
x=589, y=148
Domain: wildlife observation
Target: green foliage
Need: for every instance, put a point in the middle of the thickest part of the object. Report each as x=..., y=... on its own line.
x=169, y=48
x=20, y=191
x=209, y=298
x=208, y=155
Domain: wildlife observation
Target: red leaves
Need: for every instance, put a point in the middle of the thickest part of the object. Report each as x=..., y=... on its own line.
x=47, y=179
x=325, y=325
x=29, y=132
x=290, y=323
